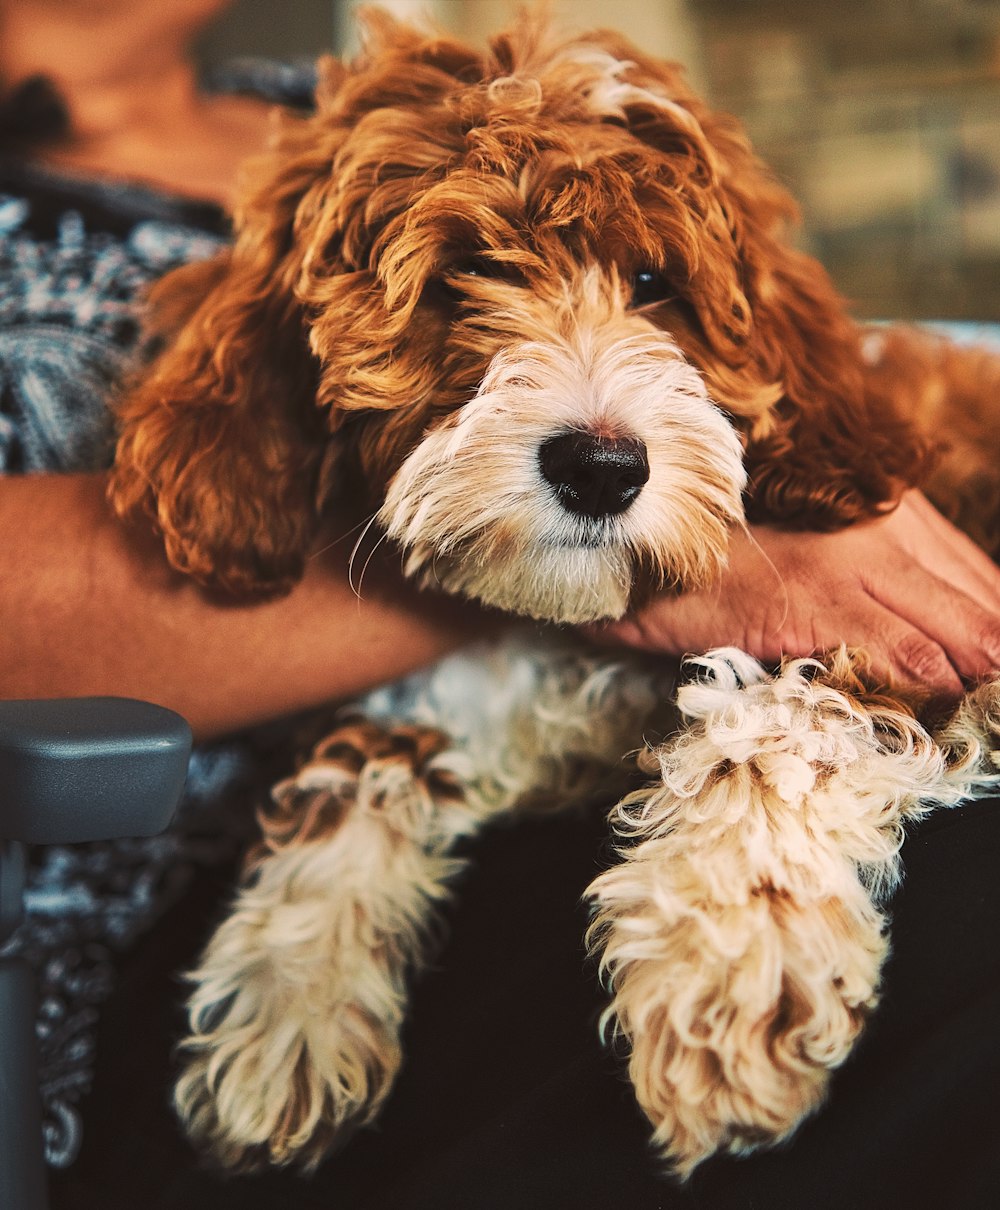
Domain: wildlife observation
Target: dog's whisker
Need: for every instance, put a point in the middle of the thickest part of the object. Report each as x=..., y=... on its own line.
x=356, y=588
x=786, y=606
x=342, y=537
x=433, y=570
x=371, y=555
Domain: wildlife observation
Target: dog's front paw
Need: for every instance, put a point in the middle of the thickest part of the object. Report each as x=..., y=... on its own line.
x=735, y=999
x=741, y=934
x=300, y=996
x=970, y=740
x=284, y=1059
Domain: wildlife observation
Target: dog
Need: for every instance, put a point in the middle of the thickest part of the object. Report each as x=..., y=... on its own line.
x=533, y=311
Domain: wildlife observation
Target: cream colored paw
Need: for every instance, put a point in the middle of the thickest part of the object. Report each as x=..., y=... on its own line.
x=741, y=936
x=301, y=994
x=289, y=1050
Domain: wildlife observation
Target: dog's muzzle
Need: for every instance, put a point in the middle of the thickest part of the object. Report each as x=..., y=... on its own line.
x=586, y=469
x=594, y=476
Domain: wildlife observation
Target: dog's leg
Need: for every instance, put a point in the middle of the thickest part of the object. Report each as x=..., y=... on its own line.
x=970, y=741
x=301, y=994
x=742, y=935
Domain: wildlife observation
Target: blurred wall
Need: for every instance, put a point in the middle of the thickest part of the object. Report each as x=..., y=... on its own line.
x=883, y=118
x=284, y=29
x=662, y=26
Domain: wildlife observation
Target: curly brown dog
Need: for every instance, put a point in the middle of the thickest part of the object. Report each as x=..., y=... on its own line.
x=532, y=313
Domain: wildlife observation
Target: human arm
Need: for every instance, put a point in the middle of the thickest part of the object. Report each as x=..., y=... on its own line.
x=907, y=587
x=124, y=73
x=90, y=608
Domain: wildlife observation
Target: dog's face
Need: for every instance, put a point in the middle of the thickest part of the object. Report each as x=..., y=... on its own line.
x=527, y=308
x=570, y=456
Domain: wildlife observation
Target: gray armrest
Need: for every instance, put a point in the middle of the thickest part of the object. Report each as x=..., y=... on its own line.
x=70, y=770
x=89, y=769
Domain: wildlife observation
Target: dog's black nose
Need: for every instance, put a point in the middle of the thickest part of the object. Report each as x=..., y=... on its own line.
x=594, y=476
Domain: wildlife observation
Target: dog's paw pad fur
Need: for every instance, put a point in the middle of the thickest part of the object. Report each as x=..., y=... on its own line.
x=249, y=1112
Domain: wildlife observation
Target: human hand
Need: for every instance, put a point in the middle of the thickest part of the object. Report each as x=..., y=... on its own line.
x=908, y=587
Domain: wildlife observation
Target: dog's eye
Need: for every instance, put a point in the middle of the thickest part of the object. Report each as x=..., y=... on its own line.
x=650, y=286
x=450, y=285
x=478, y=266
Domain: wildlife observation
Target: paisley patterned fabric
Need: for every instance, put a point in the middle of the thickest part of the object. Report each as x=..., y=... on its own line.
x=69, y=327
x=74, y=262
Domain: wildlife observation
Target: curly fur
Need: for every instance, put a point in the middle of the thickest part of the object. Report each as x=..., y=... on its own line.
x=346, y=307
x=742, y=934
x=459, y=259
x=299, y=998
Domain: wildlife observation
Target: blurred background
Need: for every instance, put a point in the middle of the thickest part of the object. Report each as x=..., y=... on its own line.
x=882, y=118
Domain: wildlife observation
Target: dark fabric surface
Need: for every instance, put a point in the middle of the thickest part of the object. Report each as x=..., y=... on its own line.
x=507, y=1101
x=113, y=208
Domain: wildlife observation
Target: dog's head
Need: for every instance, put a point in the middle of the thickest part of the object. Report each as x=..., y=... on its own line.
x=531, y=308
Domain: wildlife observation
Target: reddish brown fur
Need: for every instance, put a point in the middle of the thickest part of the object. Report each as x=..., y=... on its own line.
x=314, y=356
x=297, y=817
x=954, y=393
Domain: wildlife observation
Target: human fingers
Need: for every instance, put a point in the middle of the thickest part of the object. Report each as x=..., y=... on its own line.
x=900, y=652
x=907, y=658
x=949, y=620
x=956, y=556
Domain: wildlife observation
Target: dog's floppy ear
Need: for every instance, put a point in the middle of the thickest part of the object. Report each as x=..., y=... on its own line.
x=221, y=443
x=213, y=443
x=225, y=442
x=829, y=451
x=771, y=335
